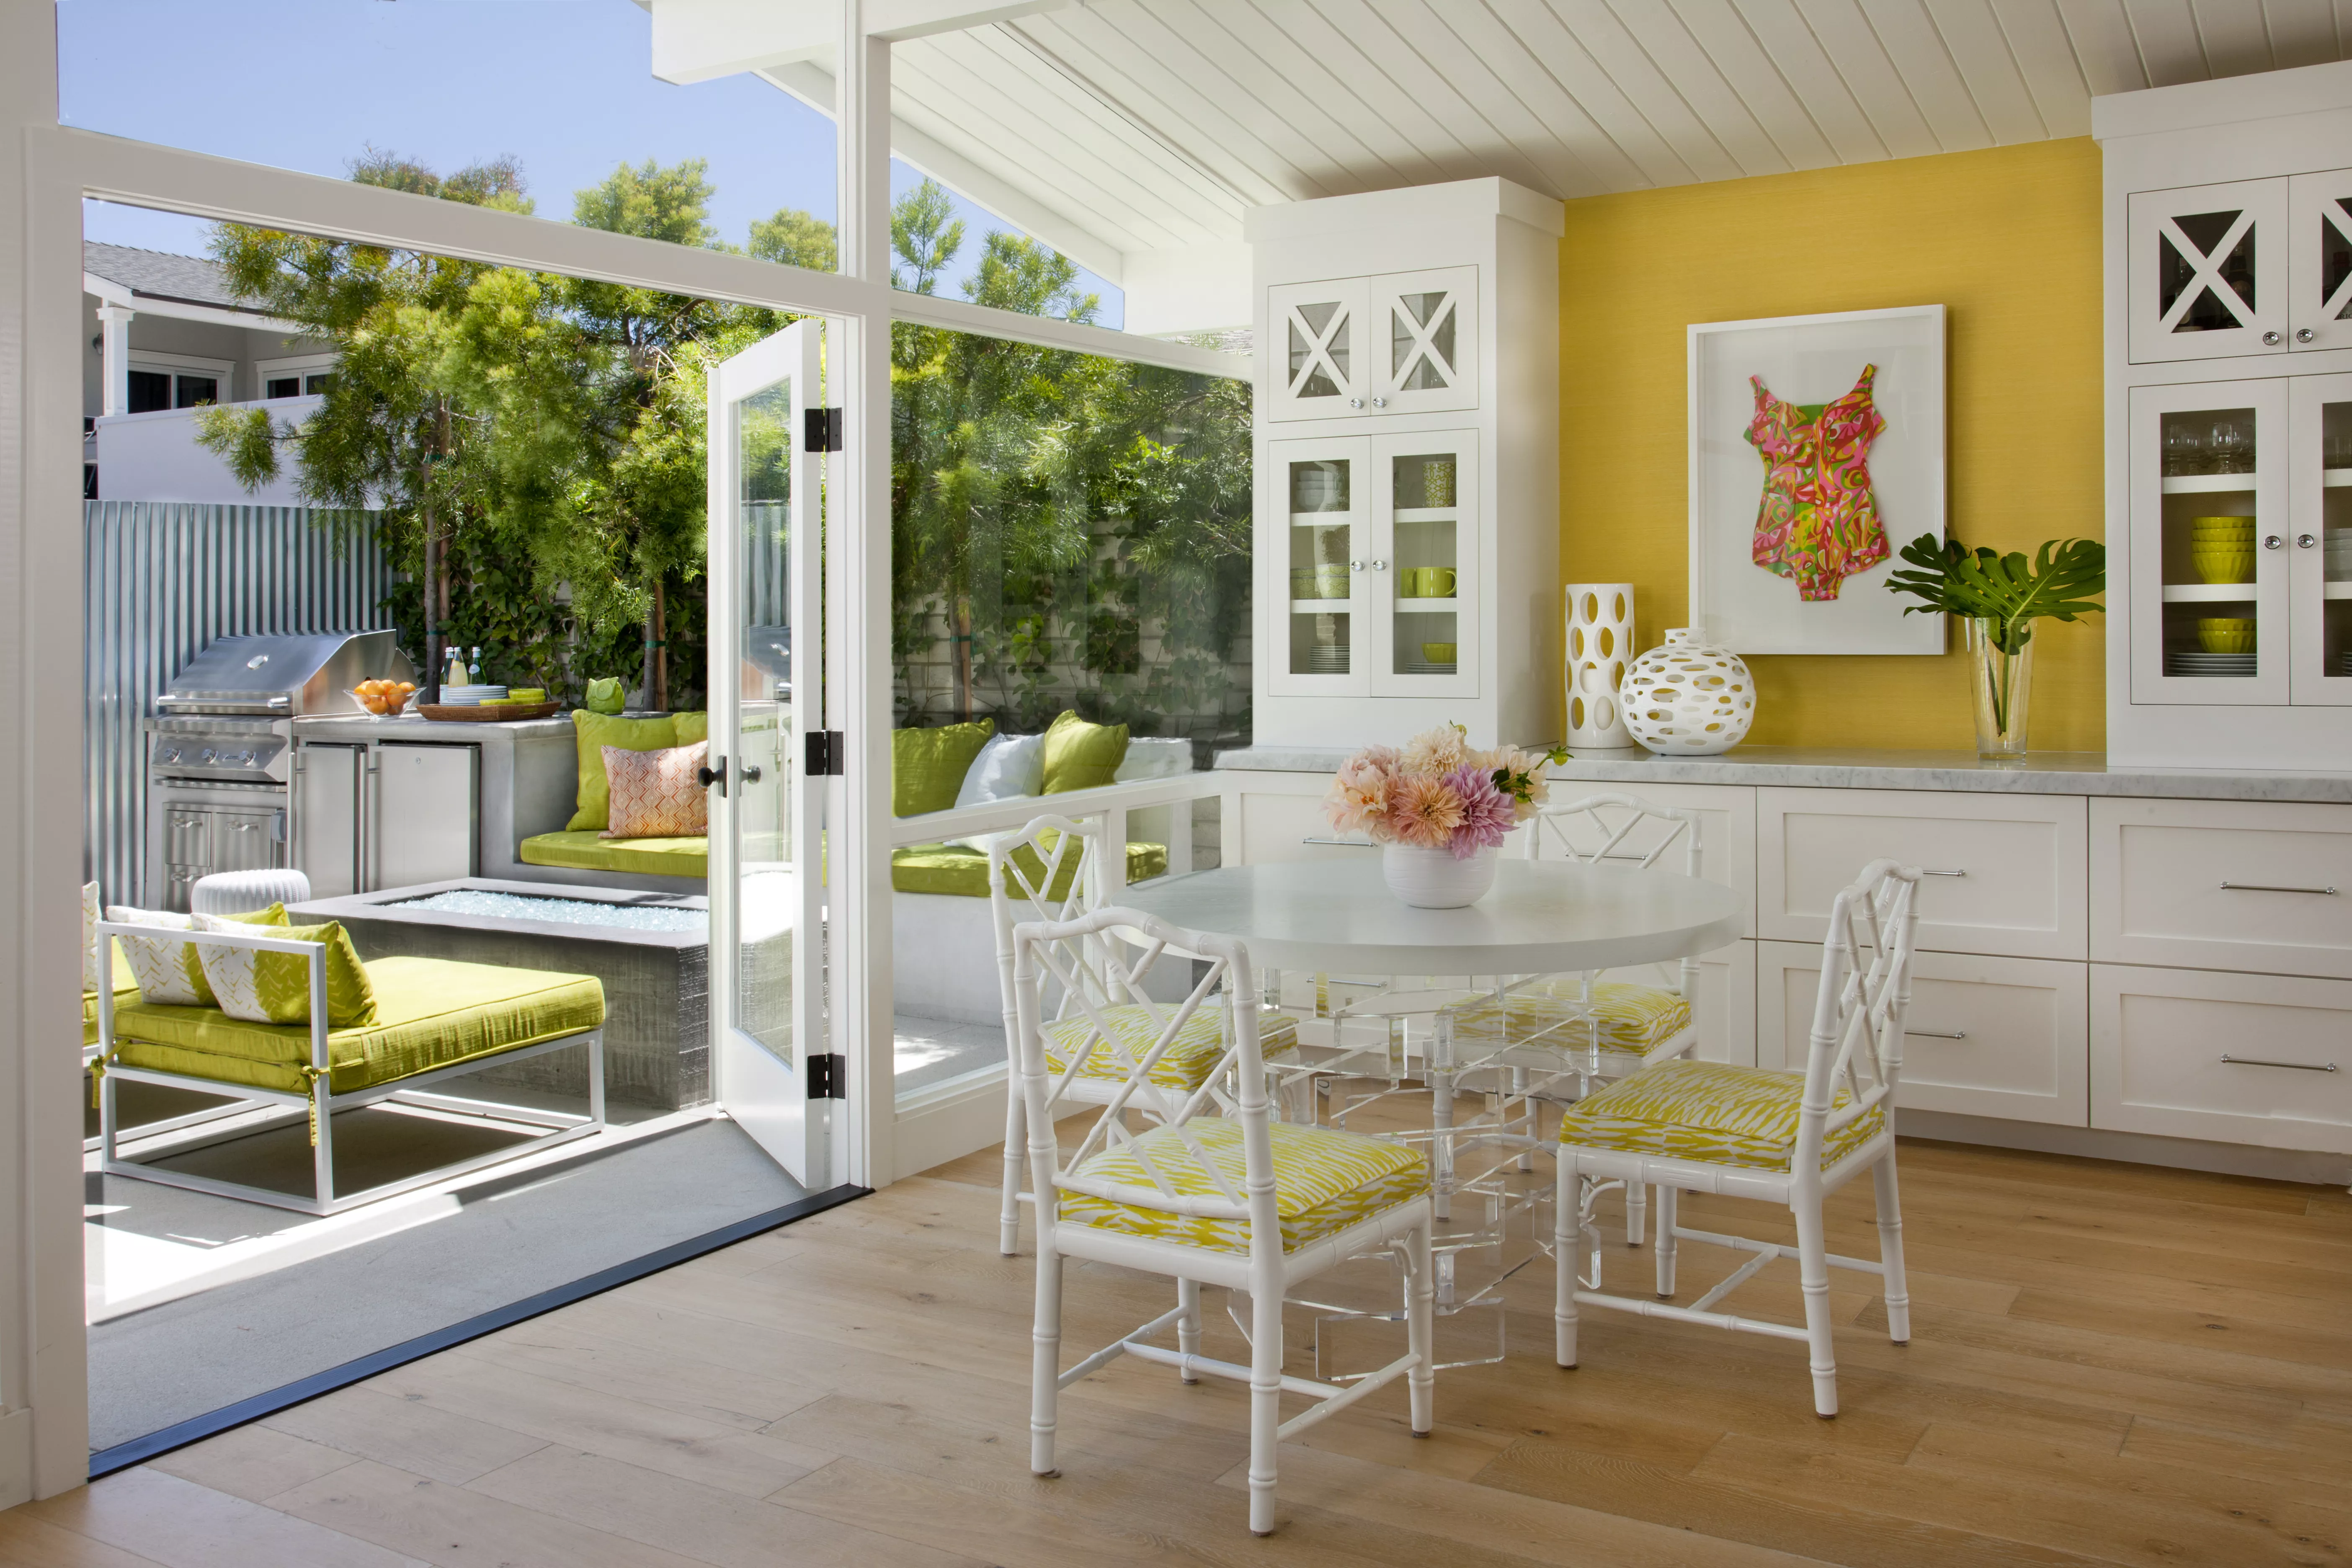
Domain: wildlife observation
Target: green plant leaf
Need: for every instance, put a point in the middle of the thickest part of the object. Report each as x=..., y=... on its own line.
x=2007, y=590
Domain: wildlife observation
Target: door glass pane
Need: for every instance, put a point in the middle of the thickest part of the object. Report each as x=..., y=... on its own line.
x=1318, y=355
x=2177, y=272
x=763, y=438
x=2335, y=536
x=1421, y=355
x=149, y=390
x=1428, y=563
x=2210, y=545
x=1321, y=548
x=196, y=391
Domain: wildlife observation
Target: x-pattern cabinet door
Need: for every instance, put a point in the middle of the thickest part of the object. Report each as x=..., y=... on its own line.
x=2208, y=272
x=1424, y=329
x=1320, y=366
x=2319, y=266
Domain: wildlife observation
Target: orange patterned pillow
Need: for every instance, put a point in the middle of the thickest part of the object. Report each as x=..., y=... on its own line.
x=655, y=795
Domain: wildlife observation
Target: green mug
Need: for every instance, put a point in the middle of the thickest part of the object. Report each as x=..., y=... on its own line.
x=1432, y=582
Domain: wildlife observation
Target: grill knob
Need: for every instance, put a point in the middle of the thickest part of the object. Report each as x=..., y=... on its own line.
x=208, y=755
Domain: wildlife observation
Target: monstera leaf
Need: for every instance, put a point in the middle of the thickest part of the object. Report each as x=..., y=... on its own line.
x=2009, y=592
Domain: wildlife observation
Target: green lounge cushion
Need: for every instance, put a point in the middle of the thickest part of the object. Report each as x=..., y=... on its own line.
x=594, y=731
x=692, y=728
x=126, y=991
x=430, y=1012
x=962, y=872
x=1079, y=755
x=586, y=850
x=926, y=766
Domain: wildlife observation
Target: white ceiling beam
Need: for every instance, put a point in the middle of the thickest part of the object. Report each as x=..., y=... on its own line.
x=699, y=40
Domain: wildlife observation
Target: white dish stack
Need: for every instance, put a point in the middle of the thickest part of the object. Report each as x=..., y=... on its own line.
x=469, y=696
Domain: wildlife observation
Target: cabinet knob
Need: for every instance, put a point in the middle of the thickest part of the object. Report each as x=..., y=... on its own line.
x=1379, y=565
x=2308, y=541
x=1359, y=402
x=1380, y=403
x=1355, y=566
x=2304, y=335
x=2273, y=542
x=2271, y=339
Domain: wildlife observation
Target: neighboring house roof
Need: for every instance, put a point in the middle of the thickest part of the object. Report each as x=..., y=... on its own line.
x=161, y=276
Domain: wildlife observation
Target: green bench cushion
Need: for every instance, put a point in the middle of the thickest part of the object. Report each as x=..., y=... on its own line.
x=956, y=869
x=584, y=850
x=126, y=991
x=430, y=1012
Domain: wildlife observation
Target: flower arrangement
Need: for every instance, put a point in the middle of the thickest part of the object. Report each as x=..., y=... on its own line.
x=1438, y=793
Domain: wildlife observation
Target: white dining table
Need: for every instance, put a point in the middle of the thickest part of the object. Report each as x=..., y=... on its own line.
x=1540, y=917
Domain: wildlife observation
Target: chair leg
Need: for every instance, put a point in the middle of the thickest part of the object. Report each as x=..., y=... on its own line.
x=1008, y=1239
x=1421, y=1335
x=1668, y=1198
x=1188, y=1327
x=1814, y=1276
x=1441, y=1096
x=1568, y=1257
x=1526, y=1115
x=1637, y=1209
x=1890, y=1250
x=1265, y=1403
x=1045, y=1359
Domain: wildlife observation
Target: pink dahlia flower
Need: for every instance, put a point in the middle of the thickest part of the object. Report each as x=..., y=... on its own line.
x=1487, y=813
x=1426, y=809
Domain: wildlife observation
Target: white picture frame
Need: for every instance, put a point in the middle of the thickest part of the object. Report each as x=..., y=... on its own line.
x=1808, y=360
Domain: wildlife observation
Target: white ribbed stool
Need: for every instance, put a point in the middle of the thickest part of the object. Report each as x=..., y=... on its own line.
x=242, y=892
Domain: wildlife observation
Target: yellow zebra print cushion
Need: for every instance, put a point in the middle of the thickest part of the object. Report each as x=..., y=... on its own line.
x=1325, y=1181
x=1192, y=1058
x=1623, y=1018
x=1708, y=1110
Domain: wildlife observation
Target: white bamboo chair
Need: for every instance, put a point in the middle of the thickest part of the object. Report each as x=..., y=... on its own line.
x=1218, y=1192
x=1753, y=1132
x=1051, y=870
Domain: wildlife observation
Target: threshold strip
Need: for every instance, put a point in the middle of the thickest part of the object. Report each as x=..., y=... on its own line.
x=196, y=1428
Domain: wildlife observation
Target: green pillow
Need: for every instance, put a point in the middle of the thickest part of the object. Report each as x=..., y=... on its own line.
x=692, y=728
x=926, y=766
x=607, y=696
x=1079, y=755
x=275, y=987
x=593, y=732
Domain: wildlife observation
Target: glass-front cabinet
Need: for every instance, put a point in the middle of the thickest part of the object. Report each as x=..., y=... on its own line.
x=1381, y=582
x=2242, y=542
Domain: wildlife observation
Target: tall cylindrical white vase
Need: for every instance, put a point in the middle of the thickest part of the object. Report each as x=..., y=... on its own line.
x=1600, y=642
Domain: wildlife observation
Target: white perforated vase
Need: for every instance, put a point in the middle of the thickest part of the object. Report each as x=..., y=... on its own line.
x=1688, y=697
x=1600, y=641
x=1433, y=878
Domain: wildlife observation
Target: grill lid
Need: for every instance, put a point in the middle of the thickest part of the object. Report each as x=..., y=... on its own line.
x=289, y=674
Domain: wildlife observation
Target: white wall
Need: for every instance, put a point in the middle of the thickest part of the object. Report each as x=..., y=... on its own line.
x=154, y=457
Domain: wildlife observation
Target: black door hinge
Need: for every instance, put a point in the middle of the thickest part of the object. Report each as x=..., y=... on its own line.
x=825, y=430
x=827, y=753
x=828, y=1078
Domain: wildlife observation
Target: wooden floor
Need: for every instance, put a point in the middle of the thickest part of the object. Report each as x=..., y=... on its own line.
x=2110, y=1364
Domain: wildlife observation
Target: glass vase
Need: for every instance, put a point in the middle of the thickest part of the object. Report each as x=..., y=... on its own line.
x=2000, y=689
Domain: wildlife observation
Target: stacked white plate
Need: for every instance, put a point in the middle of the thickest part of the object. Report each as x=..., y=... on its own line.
x=2338, y=547
x=2192, y=661
x=1327, y=658
x=2344, y=664
x=469, y=696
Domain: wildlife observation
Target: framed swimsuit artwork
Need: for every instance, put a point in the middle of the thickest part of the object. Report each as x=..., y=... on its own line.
x=1816, y=452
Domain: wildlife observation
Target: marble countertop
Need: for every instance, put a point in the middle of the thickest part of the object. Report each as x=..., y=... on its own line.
x=2045, y=773
x=416, y=727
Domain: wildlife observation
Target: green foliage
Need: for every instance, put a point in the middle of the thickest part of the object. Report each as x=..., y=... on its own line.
x=925, y=234
x=2007, y=590
x=669, y=204
x=796, y=239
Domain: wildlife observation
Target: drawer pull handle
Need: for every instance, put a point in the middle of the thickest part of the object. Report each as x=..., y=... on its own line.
x=1925, y=872
x=1939, y=1033
x=2267, y=888
x=2258, y=1062
x=1344, y=843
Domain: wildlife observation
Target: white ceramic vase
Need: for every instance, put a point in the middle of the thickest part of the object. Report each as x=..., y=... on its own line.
x=1600, y=641
x=1433, y=878
x=1688, y=697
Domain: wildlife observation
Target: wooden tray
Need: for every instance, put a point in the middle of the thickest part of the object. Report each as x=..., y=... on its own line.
x=506, y=713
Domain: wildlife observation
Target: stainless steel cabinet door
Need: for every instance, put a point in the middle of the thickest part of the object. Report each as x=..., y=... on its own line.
x=425, y=809
x=327, y=820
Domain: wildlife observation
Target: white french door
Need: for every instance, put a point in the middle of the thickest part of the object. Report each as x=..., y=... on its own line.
x=767, y=1028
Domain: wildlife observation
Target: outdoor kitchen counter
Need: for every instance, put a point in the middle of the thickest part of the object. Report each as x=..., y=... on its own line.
x=361, y=727
x=1795, y=767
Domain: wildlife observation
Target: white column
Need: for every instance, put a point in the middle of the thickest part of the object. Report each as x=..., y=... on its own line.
x=863, y=124
x=114, y=356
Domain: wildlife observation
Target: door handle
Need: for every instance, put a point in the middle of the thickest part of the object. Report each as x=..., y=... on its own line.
x=1925, y=872
x=2258, y=1062
x=2271, y=339
x=1939, y=1033
x=2273, y=542
x=2271, y=887
x=2308, y=541
x=2303, y=335
x=706, y=777
x=748, y=775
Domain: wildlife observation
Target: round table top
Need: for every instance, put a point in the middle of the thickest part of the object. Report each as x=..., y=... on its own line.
x=1540, y=917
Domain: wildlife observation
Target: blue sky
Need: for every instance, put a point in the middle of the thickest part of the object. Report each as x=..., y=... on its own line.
x=563, y=85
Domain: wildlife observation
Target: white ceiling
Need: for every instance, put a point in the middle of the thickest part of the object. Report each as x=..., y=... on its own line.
x=1132, y=134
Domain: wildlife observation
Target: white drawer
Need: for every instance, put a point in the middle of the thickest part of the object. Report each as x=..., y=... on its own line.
x=2238, y=1058
x=1985, y=1036
x=2265, y=887
x=2019, y=862
x=1726, y=830
x=1285, y=824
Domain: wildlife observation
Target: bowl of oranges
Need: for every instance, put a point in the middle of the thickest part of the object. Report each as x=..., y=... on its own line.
x=384, y=699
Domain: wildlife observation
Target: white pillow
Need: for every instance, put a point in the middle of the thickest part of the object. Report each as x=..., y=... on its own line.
x=1153, y=757
x=94, y=967
x=169, y=972
x=1007, y=768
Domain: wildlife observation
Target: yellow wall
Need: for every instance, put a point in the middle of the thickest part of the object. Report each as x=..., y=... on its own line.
x=2008, y=240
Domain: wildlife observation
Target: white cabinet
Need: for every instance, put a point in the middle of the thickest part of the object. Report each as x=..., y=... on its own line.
x=1984, y=1037
x=326, y=808
x=2249, y=885
x=2319, y=263
x=1404, y=343
x=2243, y=1059
x=2246, y=266
x=425, y=799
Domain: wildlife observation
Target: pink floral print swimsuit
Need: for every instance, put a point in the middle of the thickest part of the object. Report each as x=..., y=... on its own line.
x=1817, y=523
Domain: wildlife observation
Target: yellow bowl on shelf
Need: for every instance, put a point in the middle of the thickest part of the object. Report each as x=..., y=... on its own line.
x=2211, y=527
x=1438, y=652
x=2223, y=560
x=2217, y=634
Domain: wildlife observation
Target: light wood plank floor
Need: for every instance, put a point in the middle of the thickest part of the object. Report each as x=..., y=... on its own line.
x=2111, y=1364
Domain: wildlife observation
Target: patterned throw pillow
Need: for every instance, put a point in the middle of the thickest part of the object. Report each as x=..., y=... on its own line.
x=655, y=795
x=263, y=987
x=170, y=972
x=94, y=967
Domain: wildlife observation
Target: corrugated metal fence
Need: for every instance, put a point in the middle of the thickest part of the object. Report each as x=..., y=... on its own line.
x=162, y=579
